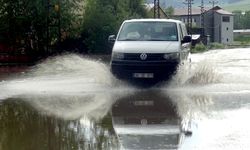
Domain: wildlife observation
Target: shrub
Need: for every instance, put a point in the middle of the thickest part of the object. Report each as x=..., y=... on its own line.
x=199, y=48
x=216, y=46
x=243, y=38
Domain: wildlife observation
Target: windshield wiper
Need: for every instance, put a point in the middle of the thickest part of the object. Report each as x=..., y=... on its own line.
x=155, y=40
x=128, y=39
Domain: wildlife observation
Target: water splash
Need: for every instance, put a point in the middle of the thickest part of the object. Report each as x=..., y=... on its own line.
x=214, y=72
x=74, y=65
x=199, y=74
x=199, y=87
x=73, y=78
x=67, y=86
x=67, y=73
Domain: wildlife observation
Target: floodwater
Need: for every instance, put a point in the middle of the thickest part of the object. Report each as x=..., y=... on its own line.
x=71, y=102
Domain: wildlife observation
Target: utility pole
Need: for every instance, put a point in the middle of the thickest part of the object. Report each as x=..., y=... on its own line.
x=213, y=25
x=189, y=19
x=157, y=9
x=202, y=19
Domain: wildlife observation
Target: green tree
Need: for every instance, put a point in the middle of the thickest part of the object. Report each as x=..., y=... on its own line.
x=17, y=17
x=241, y=20
x=103, y=17
x=246, y=20
x=169, y=11
x=237, y=19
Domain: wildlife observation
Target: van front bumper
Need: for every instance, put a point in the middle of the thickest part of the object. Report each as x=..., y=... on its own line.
x=151, y=70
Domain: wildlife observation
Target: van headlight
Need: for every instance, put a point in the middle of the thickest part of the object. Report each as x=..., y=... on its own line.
x=171, y=56
x=117, y=56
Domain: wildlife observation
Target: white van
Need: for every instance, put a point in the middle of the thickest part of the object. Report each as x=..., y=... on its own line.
x=149, y=48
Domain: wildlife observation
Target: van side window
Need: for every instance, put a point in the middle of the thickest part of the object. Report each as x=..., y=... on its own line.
x=181, y=32
x=184, y=30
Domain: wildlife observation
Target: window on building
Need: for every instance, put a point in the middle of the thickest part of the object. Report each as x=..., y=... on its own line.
x=226, y=19
x=227, y=28
x=227, y=40
x=194, y=20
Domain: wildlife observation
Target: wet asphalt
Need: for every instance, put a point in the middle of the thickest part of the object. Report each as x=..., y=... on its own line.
x=74, y=102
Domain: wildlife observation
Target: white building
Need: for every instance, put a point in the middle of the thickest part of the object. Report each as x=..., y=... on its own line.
x=221, y=29
x=218, y=23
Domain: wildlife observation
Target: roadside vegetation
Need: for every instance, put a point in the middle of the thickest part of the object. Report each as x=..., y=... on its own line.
x=242, y=40
x=200, y=47
x=241, y=19
x=84, y=24
x=216, y=46
x=239, y=42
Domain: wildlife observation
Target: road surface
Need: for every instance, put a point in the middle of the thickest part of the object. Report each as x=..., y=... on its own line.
x=73, y=102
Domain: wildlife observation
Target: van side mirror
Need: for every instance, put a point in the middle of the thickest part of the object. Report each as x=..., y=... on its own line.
x=186, y=39
x=111, y=39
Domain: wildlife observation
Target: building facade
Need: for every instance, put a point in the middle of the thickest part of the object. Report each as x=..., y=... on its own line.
x=218, y=23
x=181, y=14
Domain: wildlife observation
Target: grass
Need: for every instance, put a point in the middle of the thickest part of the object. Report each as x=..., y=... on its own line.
x=202, y=48
x=245, y=39
x=242, y=40
x=216, y=46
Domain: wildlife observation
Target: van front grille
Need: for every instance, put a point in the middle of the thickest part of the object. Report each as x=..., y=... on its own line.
x=150, y=56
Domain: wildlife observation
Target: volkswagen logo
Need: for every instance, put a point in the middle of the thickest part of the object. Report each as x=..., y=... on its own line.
x=143, y=56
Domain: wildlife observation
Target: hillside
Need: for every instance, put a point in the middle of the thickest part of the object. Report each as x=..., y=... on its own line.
x=240, y=5
x=226, y=4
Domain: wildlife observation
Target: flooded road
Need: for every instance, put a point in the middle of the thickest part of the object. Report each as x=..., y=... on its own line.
x=72, y=102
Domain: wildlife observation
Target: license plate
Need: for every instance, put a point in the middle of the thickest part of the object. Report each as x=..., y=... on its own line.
x=143, y=103
x=143, y=75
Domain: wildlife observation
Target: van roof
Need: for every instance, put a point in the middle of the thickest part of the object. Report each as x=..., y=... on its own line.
x=153, y=20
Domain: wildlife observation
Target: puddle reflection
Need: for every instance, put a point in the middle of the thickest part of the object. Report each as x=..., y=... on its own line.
x=24, y=128
x=94, y=106
x=147, y=120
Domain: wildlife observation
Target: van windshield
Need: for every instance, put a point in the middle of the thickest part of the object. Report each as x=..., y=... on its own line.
x=148, y=31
